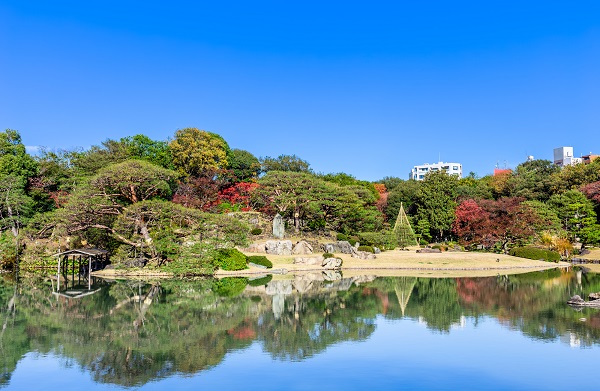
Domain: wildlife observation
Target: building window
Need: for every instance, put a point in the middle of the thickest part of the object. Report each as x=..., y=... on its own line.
x=455, y=168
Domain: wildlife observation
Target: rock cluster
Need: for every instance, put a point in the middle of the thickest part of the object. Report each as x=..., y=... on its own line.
x=278, y=247
x=302, y=247
x=429, y=250
x=341, y=246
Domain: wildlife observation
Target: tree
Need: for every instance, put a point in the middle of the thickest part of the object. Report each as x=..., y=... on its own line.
x=575, y=176
x=14, y=159
x=577, y=216
x=284, y=163
x=436, y=201
x=487, y=222
x=144, y=148
x=197, y=151
x=306, y=198
x=405, y=192
x=98, y=202
x=532, y=180
x=245, y=166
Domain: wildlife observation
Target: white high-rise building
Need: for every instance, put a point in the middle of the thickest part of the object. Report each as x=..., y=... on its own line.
x=418, y=172
x=563, y=156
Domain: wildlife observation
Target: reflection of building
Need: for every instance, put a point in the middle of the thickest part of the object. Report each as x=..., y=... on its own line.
x=563, y=156
x=418, y=172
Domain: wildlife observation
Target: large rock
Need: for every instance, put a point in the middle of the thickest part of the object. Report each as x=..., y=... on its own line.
x=302, y=247
x=594, y=296
x=340, y=246
x=363, y=255
x=332, y=263
x=332, y=275
x=376, y=250
x=255, y=248
x=278, y=247
x=429, y=250
x=308, y=260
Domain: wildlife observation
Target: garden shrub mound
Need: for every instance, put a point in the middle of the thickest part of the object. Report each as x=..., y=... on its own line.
x=260, y=260
x=256, y=231
x=328, y=255
x=535, y=253
x=367, y=249
x=230, y=259
x=384, y=240
x=341, y=237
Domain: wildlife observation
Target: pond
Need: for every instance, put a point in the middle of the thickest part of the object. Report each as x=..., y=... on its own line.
x=318, y=331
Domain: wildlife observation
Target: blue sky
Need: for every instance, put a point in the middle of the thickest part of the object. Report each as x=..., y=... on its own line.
x=367, y=88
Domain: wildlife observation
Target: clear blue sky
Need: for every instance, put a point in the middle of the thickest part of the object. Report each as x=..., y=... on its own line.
x=368, y=88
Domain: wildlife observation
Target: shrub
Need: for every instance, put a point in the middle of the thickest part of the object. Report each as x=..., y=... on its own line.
x=260, y=281
x=230, y=286
x=256, y=231
x=440, y=247
x=535, y=253
x=367, y=249
x=230, y=259
x=260, y=260
x=328, y=255
x=385, y=240
x=341, y=237
x=353, y=239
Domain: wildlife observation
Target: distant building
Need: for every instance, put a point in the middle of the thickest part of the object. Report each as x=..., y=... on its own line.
x=501, y=171
x=587, y=159
x=563, y=156
x=418, y=172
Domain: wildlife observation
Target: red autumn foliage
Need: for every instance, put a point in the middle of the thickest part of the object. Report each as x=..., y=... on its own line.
x=238, y=195
x=488, y=222
x=592, y=191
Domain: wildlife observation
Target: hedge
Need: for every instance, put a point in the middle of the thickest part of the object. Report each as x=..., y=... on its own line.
x=535, y=253
x=261, y=281
x=260, y=260
x=230, y=259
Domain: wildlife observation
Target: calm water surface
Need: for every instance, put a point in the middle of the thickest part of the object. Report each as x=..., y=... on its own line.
x=301, y=333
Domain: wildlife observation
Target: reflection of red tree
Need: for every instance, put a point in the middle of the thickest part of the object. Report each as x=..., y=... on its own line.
x=243, y=331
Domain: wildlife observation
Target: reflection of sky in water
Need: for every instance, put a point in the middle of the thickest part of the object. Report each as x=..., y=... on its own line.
x=398, y=355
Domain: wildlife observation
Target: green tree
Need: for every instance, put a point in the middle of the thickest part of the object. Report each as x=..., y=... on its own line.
x=577, y=216
x=196, y=151
x=437, y=202
x=405, y=192
x=97, y=202
x=14, y=159
x=144, y=148
x=532, y=180
x=245, y=166
x=285, y=163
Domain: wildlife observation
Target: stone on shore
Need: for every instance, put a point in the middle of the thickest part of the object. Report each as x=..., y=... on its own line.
x=278, y=247
x=332, y=263
x=363, y=255
x=308, y=260
x=341, y=246
x=302, y=247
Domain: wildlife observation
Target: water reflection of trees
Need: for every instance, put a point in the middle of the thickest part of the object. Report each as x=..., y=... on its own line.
x=130, y=333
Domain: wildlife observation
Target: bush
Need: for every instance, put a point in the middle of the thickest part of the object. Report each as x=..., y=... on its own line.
x=261, y=281
x=256, y=231
x=440, y=247
x=384, y=240
x=342, y=237
x=230, y=259
x=260, y=260
x=353, y=239
x=328, y=255
x=367, y=249
x=535, y=253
